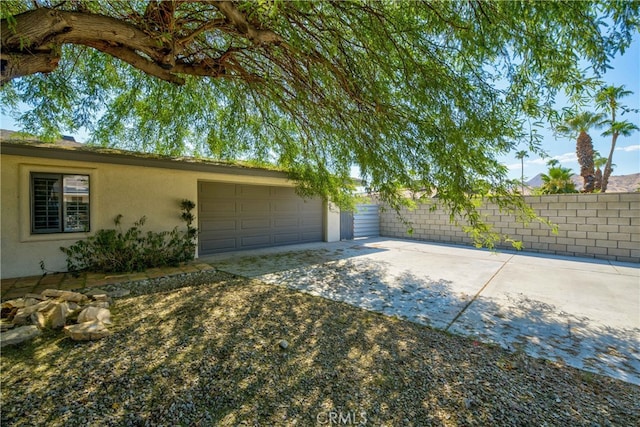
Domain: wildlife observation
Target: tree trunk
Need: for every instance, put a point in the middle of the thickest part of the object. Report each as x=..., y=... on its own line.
x=584, y=152
x=598, y=181
x=607, y=168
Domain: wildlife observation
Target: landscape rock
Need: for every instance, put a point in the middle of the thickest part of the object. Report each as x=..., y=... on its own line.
x=28, y=301
x=87, y=331
x=24, y=313
x=54, y=309
x=7, y=313
x=65, y=295
x=56, y=316
x=52, y=316
x=284, y=344
x=5, y=325
x=39, y=320
x=92, y=313
x=18, y=302
x=18, y=335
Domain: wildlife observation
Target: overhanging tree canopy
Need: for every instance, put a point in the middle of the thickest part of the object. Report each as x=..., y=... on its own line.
x=418, y=95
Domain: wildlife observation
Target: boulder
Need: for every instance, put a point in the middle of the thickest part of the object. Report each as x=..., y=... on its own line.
x=33, y=299
x=18, y=335
x=24, y=313
x=57, y=315
x=5, y=325
x=65, y=295
x=53, y=316
x=39, y=320
x=91, y=313
x=18, y=303
x=86, y=331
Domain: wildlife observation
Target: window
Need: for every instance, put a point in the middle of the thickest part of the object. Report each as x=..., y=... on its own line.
x=59, y=203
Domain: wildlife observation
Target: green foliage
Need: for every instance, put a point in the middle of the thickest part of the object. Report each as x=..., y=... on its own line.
x=416, y=96
x=576, y=122
x=113, y=250
x=557, y=181
x=573, y=122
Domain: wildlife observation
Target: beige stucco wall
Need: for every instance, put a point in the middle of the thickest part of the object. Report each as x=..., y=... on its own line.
x=132, y=191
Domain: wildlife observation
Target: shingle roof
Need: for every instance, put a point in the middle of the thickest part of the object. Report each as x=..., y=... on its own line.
x=20, y=143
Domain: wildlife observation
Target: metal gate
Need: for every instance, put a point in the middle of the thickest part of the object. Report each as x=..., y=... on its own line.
x=346, y=225
x=366, y=221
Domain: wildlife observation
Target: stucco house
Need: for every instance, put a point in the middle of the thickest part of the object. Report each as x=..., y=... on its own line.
x=54, y=194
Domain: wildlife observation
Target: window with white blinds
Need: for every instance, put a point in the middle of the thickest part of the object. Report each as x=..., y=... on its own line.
x=59, y=203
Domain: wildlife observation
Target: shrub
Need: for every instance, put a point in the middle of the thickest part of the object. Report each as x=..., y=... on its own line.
x=113, y=250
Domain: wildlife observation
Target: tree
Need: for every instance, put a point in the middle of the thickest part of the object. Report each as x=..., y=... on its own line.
x=609, y=100
x=417, y=95
x=557, y=180
x=599, y=162
x=521, y=156
x=580, y=123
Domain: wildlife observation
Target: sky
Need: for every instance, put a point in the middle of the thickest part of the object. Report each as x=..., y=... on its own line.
x=626, y=158
x=625, y=71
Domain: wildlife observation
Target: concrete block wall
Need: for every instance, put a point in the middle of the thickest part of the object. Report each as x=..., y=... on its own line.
x=604, y=226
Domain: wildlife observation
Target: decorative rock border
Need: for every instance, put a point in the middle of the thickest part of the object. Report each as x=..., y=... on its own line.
x=53, y=309
x=82, y=315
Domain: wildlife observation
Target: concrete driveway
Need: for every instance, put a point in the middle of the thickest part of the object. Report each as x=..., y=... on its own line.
x=583, y=312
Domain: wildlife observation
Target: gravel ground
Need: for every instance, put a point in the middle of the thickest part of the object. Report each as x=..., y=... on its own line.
x=208, y=349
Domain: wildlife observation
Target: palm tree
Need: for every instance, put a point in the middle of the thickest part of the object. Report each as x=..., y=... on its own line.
x=553, y=163
x=609, y=99
x=557, y=180
x=580, y=123
x=521, y=155
x=598, y=162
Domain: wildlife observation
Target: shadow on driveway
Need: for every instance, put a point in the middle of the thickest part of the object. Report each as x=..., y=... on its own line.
x=371, y=277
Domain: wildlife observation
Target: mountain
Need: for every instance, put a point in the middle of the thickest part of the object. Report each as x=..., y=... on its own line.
x=617, y=184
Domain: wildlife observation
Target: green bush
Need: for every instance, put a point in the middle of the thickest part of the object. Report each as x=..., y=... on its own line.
x=113, y=250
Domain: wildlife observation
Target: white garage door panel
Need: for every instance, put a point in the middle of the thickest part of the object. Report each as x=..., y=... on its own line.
x=237, y=216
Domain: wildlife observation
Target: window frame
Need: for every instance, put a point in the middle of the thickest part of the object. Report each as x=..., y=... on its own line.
x=62, y=226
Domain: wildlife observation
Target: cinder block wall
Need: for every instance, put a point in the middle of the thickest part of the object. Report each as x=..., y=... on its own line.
x=605, y=226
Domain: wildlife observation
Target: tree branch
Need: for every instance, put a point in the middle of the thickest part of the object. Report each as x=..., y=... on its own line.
x=31, y=44
x=42, y=32
x=203, y=28
x=23, y=64
x=255, y=35
x=132, y=58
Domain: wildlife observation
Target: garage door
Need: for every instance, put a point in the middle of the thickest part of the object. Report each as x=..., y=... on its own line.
x=237, y=216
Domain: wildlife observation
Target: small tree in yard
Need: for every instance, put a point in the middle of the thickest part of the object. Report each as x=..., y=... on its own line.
x=609, y=100
x=557, y=180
